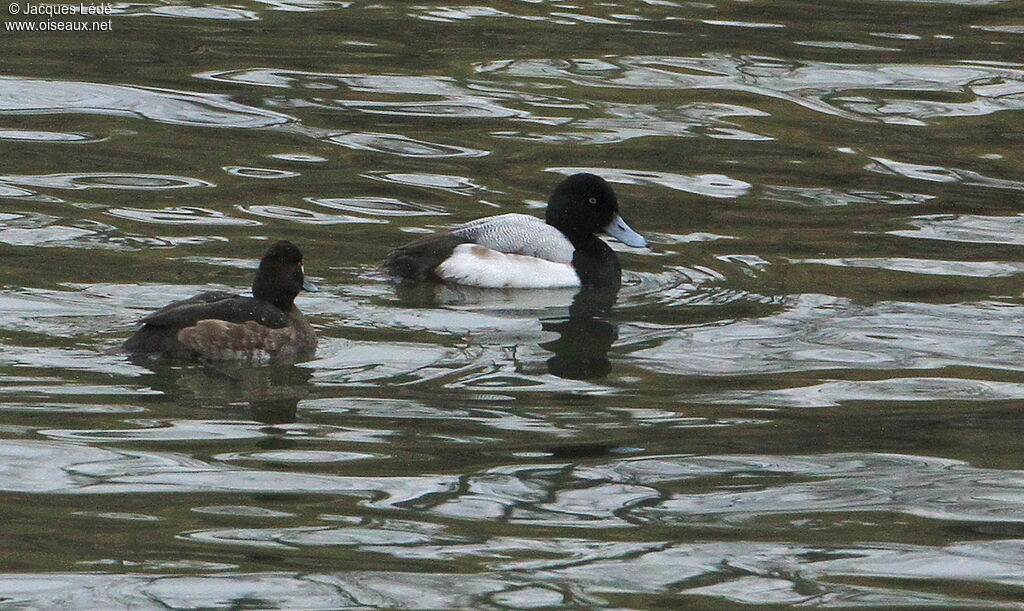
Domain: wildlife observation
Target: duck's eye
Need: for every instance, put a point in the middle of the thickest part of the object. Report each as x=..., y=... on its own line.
x=592, y=200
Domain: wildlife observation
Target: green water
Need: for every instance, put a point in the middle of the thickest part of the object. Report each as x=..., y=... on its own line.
x=807, y=393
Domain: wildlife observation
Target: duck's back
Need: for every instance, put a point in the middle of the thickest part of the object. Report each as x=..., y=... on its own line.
x=473, y=253
x=217, y=305
x=518, y=234
x=184, y=327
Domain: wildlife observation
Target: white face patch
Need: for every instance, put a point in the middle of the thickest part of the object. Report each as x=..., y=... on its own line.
x=475, y=265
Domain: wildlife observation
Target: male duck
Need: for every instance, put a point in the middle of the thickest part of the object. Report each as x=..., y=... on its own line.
x=221, y=326
x=521, y=251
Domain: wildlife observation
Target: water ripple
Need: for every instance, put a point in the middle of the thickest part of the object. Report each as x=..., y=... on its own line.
x=823, y=196
x=459, y=13
x=303, y=6
x=191, y=430
x=306, y=217
x=848, y=46
x=765, y=574
x=836, y=393
x=181, y=215
x=457, y=100
x=833, y=88
x=817, y=332
x=459, y=185
x=967, y=228
x=182, y=11
x=462, y=108
x=245, y=511
x=628, y=121
x=49, y=137
x=403, y=146
x=368, y=83
x=711, y=185
x=969, y=269
x=17, y=193
x=263, y=173
x=940, y=174
x=378, y=206
x=623, y=493
x=1009, y=29
x=46, y=467
x=49, y=235
x=299, y=157
x=387, y=534
x=107, y=180
x=42, y=96
x=297, y=456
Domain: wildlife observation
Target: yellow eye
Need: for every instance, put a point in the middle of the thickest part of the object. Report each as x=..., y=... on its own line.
x=592, y=200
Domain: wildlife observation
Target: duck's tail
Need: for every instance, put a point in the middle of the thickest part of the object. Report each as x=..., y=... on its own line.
x=417, y=261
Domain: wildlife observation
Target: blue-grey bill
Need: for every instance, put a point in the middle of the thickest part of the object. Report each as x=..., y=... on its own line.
x=622, y=232
x=309, y=286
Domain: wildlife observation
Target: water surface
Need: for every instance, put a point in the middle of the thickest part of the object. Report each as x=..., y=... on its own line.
x=807, y=393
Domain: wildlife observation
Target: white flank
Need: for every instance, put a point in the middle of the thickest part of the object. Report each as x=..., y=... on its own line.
x=476, y=265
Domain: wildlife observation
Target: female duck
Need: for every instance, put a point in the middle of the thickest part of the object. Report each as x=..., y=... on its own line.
x=521, y=251
x=221, y=326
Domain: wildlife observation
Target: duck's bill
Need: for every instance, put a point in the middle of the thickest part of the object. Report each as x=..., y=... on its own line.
x=622, y=232
x=309, y=286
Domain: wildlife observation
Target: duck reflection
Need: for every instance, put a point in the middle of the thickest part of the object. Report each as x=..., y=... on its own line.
x=584, y=338
x=271, y=393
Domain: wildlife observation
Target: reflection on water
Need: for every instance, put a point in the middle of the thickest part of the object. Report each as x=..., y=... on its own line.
x=272, y=392
x=622, y=493
x=584, y=338
x=806, y=392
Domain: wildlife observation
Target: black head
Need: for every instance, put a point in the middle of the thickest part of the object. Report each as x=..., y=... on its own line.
x=582, y=205
x=280, y=277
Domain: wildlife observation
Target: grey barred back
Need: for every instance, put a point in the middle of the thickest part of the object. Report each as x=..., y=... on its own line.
x=519, y=234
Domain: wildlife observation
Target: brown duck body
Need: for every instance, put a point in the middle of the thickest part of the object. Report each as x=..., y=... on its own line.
x=288, y=337
x=219, y=326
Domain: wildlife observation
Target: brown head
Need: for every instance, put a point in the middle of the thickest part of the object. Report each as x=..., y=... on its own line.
x=280, y=276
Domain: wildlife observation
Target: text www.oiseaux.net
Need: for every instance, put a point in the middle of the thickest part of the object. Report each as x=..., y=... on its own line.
x=50, y=15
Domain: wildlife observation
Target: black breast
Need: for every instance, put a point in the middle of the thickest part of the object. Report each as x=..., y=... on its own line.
x=596, y=263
